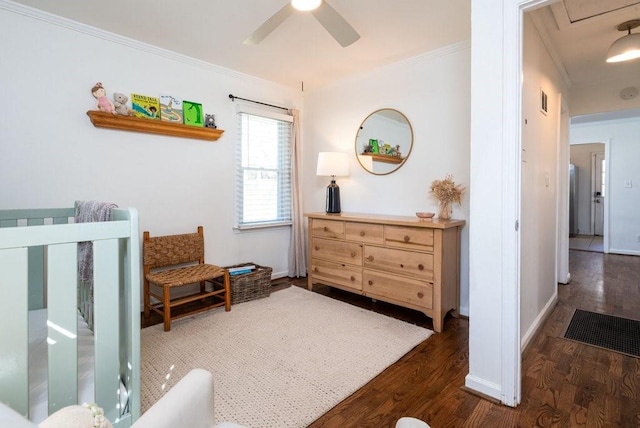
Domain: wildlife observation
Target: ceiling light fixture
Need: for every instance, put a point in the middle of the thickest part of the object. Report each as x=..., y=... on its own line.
x=627, y=47
x=305, y=5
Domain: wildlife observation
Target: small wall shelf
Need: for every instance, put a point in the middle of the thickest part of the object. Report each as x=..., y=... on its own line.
x=384, y=158
x=101, y=119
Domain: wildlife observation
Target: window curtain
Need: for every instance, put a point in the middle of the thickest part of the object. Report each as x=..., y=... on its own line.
x=297, y=259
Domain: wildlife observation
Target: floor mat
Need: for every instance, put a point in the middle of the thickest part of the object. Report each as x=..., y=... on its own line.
x=605, y=331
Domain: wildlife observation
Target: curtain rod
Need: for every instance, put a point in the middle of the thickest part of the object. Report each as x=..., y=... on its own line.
x=233, y=98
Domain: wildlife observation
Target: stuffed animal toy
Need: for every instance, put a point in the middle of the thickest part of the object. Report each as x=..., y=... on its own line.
x=120, y=103
x=104, y=103
x=210, y=121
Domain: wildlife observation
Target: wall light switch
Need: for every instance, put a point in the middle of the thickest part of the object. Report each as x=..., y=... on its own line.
x=628, y=183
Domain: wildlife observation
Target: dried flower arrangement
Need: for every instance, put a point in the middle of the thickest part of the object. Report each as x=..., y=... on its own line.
x=446, y=192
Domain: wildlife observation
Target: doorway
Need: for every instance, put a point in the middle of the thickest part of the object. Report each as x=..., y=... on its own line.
x=588, y=162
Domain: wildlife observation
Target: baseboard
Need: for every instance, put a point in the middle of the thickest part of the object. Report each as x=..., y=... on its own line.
x=623, y=252
x=483, y=388
x=539, y=321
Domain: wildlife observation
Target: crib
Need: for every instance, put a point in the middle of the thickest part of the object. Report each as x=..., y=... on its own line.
x=38, y=272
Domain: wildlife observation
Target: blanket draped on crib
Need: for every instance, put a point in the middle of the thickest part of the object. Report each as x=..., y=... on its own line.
x=88, y=212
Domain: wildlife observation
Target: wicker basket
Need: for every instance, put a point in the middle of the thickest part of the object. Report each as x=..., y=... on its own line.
x=249, y=286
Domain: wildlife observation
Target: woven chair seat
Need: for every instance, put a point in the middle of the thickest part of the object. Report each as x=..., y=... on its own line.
x=186, y=275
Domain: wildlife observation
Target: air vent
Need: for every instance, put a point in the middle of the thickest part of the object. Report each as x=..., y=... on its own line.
x=544, y=102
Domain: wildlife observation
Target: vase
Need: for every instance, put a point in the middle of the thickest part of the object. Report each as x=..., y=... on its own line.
x=444, y=210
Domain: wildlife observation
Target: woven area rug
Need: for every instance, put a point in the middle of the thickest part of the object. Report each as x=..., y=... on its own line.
x=605, y=331
x=281, y=361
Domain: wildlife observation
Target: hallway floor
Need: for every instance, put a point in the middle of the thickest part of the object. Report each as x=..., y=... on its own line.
x=586, y=243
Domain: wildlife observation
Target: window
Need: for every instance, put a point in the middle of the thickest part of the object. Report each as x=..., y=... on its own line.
x=263, y=170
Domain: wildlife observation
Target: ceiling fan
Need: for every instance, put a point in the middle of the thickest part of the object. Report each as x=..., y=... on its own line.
x=331, y=20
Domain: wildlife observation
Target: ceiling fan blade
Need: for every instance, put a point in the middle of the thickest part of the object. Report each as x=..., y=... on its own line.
x=335, y=24
x=269, y=25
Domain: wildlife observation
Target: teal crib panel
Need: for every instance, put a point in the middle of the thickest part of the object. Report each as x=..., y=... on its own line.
x=62, y=326
x=14, y=334
x=52, y=244
x=106, y=325
x=130, y=261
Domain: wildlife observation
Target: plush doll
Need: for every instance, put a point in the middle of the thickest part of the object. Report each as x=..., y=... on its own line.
x=104, y=103
x=210, y=121
x=120, y=103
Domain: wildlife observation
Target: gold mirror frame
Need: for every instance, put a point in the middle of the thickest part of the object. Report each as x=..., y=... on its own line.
x=383, y=128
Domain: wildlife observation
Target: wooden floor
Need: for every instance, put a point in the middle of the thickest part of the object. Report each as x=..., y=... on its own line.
x=564, y=384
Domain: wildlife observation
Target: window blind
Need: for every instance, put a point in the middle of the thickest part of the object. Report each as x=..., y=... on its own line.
x=263, y=170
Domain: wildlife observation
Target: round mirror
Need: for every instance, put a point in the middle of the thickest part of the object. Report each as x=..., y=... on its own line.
x=384, y=141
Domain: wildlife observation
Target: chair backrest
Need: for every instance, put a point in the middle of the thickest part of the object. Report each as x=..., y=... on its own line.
x=170, y=250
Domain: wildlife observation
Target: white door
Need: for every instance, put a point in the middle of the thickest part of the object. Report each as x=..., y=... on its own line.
x=598, y=193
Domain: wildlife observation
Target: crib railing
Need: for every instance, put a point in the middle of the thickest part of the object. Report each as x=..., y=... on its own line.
x=38, y=248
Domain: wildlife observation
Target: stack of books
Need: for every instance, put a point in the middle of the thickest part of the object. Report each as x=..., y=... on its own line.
x=241, y=270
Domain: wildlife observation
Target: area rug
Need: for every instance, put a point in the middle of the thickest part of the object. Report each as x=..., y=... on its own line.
x=605, y=331
x=281, y=361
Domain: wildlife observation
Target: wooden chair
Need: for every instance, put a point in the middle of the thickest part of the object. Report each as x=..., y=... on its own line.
x=168, y=251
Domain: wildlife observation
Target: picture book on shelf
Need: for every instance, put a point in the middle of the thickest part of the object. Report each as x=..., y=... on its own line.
x=170, y=108
x=144, y=106
x=192, y=113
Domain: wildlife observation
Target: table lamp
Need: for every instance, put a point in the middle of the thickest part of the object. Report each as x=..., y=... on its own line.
x=334, y=164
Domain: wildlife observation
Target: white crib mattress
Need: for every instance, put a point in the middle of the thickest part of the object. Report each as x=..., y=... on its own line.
x=38, y=369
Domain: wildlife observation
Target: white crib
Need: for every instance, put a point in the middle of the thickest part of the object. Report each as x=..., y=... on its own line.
x=38, y=270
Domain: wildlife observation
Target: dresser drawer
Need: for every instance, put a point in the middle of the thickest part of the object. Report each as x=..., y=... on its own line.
x=414, y=238
x=339, y=251
x=328, y=229
x=418, y=265
x=385, y=286
x=364, y=232
x=336, y=274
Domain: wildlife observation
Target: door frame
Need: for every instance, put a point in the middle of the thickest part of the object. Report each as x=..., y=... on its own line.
x=594, y=180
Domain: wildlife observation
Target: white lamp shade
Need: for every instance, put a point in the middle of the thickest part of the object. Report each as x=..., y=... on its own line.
x=625, y=48
x=305, y=4
x=333, y=164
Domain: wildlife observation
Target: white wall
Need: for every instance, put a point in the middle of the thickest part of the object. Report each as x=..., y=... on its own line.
x=623, y=136
x=581, y=158
x=540, y=182
x=51, y=155
x=432, y=90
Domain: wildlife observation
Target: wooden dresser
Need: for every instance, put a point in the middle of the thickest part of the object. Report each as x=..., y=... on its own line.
x=401, y=260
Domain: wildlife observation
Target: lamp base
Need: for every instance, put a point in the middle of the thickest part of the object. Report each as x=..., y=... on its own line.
x=333, y=198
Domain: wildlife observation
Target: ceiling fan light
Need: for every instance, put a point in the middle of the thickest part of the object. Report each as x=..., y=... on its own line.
x=305, y=5
x=625, y=48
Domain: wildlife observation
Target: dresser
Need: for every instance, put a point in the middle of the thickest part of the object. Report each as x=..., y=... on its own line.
x=401, y=260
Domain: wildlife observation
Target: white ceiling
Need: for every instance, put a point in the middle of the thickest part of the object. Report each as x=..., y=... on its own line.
x=578, y=32
x=300, y=50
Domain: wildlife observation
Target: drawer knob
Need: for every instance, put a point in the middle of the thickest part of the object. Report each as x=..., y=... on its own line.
x=421, y=267
x=315, y=269
x=370, y=282
x=353, y=278
x=316, y=248
x=406, y=238
x=353, y=254
x=420, y=295
x=401, y=265
x=362, y=233
x=326, y=229
x=370, y=258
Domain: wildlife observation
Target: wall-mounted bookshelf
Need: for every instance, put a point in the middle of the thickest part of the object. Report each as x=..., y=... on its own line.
x=384, y=158
x=101, y=119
